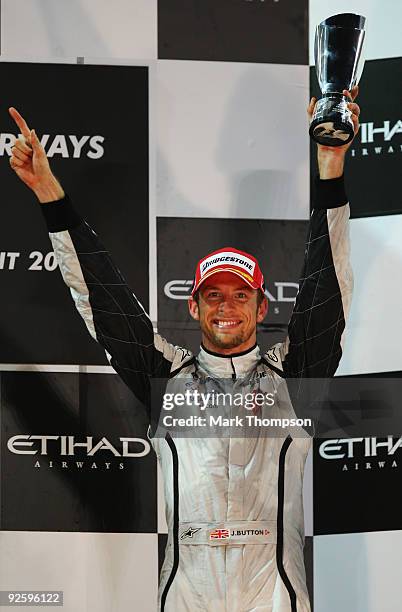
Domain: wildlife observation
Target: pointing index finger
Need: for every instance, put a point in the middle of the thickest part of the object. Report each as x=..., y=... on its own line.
x=20, y=121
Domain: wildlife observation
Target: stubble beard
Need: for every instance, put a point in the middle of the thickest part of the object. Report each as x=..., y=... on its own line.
x=224, y=341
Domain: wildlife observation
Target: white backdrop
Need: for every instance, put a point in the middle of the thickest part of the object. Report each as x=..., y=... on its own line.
x=374, y=341
x=78, y=28
x=96, y=571
x=358, y=572
x=383, y=38
x=223, y=148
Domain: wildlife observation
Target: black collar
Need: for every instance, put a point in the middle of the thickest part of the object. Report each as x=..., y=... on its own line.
x=240, y=354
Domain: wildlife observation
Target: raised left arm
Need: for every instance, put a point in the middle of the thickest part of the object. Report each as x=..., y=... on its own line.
x=313, y=347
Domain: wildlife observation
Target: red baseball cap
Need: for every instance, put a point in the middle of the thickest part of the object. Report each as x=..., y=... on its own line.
x=232, y=260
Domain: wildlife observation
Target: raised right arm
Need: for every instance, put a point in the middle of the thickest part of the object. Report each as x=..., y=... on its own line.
x=113, y=315
x=111, y=312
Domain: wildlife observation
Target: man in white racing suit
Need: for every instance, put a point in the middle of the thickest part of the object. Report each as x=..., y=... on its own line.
x=233, y=503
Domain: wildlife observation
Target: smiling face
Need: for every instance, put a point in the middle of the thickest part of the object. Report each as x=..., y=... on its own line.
x=228, y=311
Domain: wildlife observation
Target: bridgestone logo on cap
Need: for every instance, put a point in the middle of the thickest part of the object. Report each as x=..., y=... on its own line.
x=227, y=258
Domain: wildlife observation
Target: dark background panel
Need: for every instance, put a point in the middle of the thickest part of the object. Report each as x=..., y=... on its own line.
x=234, y=30
x=374, y=159
x=360, y=499
x=108, y=493
x=278, y=246
x=358, y=491
x=162, y=541
x=38, y=322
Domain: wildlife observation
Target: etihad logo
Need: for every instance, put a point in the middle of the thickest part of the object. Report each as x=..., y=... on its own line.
x=67, y=446
x=282, y=292
x=66, y=452
x=362, y=453
x=378, y=139
x=69, y=146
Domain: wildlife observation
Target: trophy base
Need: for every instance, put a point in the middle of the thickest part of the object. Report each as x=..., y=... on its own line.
x=332, y=125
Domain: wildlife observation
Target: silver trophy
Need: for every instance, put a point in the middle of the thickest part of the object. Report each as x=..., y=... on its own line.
x=339, y=65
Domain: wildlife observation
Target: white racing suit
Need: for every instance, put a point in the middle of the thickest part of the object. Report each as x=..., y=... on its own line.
x=233, y=504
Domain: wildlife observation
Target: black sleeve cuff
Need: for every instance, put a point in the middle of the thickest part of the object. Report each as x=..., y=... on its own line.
x=330, y=193
x=60, y=215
